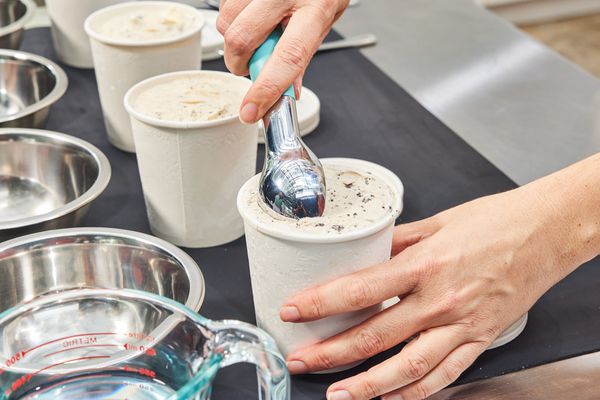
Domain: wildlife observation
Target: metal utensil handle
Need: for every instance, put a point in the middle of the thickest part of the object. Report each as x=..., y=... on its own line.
x=262, y=55
x=239, y=342
x=368, y=39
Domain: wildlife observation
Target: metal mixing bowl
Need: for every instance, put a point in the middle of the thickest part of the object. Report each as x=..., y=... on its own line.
x=47, y=180
x=29, y=85
x=14, y=14
x=53, y=261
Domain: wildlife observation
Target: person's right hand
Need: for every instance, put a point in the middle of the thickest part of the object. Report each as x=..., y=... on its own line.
x=245, y=24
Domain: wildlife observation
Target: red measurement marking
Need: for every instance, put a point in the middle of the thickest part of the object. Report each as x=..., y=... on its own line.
x=140, y=336
x=81, y=347
x=142, y=371
x=141, y=349
x=67, y=361
x=15, y=358
x=67, y=337
x=19, y=382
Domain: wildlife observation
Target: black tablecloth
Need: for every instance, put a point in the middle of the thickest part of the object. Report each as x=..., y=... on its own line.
x=364, y=115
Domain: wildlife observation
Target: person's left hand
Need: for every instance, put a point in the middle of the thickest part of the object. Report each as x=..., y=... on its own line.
x=464, y=276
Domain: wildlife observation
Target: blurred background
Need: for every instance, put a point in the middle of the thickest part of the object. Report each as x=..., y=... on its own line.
x=571, y=27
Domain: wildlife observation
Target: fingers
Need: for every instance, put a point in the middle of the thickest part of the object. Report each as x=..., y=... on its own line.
x=353, y=292
x=377, y=334
x=407, y=235
x=301, y=38
x=441, y=376
x=412, y=364
x=245, y=29
x=228, y=11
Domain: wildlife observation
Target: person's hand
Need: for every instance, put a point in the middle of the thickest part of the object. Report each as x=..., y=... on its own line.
x=463, y=277
x=245, y=24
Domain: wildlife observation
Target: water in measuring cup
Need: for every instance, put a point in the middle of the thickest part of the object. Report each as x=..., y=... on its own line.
x=103, y=387
x=158, y=378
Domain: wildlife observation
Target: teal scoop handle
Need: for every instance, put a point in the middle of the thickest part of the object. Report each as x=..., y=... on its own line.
x=262, y=55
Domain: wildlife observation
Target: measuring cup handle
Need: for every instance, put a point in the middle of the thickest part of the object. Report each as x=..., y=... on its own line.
x=262, y=55
x=239, y=342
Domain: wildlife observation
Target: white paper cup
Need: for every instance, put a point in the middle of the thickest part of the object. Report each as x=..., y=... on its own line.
x=285, y=260
x=192, y=171
x=120, y=64
x=71, y=43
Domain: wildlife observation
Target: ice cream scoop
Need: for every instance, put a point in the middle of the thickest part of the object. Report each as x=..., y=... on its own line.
x=292, y=181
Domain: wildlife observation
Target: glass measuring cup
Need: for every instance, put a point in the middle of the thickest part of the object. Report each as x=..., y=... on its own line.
x=100, y=344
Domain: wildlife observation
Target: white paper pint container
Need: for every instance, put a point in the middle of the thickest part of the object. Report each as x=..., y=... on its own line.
x=191, y=172
x=121, y=63
x=285, y=260
x=71, y=43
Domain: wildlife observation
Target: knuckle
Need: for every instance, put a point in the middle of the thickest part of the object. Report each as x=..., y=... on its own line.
x=236, y=40
x=369, y=342
x=452, y=370
x=316, y=303
x=416, y=367
x=449, y=303
x=222, y=24
x=269, y=89
x=429, y=265
x=323, y=361
x=421, y=391
x=360, y=291
x=444, y=307
x=370, y=389
x=295, y=54
x=324, y=11
x=478, y=328
x=490, y=333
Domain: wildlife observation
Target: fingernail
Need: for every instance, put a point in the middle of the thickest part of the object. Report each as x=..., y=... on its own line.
x=339, y=395
x=297, y=367
x=249, y=113
x=289, y=314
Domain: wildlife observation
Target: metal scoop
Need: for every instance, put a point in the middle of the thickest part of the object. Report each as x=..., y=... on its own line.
x=292, y=181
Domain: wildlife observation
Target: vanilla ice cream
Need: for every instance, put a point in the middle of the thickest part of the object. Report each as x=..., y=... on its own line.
x=134, y=41
x=191, y=98
x=149, y=24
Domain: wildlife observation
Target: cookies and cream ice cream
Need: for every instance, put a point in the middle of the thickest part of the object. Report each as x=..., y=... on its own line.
x=191, y=98
x=286, y=255
x=356, y=198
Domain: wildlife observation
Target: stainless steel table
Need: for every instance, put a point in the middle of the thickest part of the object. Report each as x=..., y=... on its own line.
x=517, y=102
x=575, y=378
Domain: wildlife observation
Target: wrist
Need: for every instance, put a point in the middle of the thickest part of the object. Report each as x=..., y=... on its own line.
x=569, y=202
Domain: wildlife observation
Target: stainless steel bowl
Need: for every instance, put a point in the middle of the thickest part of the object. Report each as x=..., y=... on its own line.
x=54, y=261
x=29, y=85
x=14, y=14
x=47, y=180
